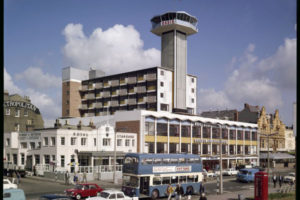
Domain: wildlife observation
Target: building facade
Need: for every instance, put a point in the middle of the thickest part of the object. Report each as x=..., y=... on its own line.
x=20, y=114
x=290, y=140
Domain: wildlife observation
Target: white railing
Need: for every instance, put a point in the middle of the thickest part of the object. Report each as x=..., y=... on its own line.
x=99, y=168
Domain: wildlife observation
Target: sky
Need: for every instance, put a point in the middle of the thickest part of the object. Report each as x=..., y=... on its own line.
x=244, y=51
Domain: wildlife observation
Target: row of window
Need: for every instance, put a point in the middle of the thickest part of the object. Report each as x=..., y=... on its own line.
x=17, y=112
x=174, y=180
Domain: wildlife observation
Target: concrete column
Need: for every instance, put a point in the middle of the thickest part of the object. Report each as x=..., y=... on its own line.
x=92, y=160
x=168, y=150
x=211, y=139
x=243, y=134
x=228, y=149
x=235, y=141
x=191, y=151
x=155, y=135
x=179, y=136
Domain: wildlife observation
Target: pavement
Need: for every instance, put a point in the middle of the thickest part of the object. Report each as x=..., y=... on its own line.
x=249, y=193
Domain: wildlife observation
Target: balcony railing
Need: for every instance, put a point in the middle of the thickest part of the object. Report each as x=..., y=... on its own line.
x=98, y=105
x=91, y=106
x=151, y=88
x=131, y=80
x=141, y=89
x=83, y=88
x=123, y=102
x=123, y=81
x=151, y=99
x=151, y=77
x=131, y=101
x=106, y=104
x=141, y=78
x=90, y=96
x=114, y=103
x=106, y=84
x=114, y=83
x=83, y=106
x=123, y=92
x=98, y=85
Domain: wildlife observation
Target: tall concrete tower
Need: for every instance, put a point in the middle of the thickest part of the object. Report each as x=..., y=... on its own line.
x=173, y=28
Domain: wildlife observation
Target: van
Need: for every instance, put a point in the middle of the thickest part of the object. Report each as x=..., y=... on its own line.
x=13, y=194
x=246, y=174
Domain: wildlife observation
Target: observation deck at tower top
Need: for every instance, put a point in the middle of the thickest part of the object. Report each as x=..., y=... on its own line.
x=179, y=20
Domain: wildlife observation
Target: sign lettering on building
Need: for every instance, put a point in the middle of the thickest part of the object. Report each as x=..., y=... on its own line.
x=21, y=104
x=167, y=22
x=161, y=169
x=29, y=136
x=209, y=141
x=125, y=136
x=80, y=134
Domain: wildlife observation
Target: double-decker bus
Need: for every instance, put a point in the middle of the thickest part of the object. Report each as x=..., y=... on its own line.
x=148, y=175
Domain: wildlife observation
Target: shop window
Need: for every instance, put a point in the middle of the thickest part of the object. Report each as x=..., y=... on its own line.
x=106, y=142
x=164, y=107
x=7, y=111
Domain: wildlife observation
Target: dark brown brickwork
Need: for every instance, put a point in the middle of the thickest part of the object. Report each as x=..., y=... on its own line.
x=130, y=127
x=70, y=92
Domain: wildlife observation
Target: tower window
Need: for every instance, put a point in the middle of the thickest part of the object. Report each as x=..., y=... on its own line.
x=192, y=80
x=162, y=84
x=193, y=100
x=68, y=92
x=162, y=95
x=193, y=90
x=162, y=72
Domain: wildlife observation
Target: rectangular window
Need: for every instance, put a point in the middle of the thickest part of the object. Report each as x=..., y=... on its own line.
x=164, y=107
x=32, y=145
x=73, y=141
x=119, y=142
x=133, y=143
x=39, y=145
x=192, y=80
x=95, y=142
x=53, y=158
x=162, y=95
x=8, y=142
x=62, y=141
x=162, y=84
x=17, y=127
x=17, y=113
x=47, y=159
x=127, y=143
x=193, y=90
x=193, y=100
x=24, y=145
x=106, y=142
x=7, y=111
x=29, y=122
x=68, y=102
x=45, y=141
x=162, y=73
x=25, y=113
x=62, y=161
x=83, y=141
x=149, y=128
x=53, y=141
x=22, y=159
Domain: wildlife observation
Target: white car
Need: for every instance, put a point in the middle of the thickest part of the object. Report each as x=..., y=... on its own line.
x=208, y=173
x=112, y=194
x=7, y=184
x=290, y=178
x=230, y=172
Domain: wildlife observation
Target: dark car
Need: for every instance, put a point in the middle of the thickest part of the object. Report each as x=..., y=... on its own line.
x=54, y=196
x=84, y=190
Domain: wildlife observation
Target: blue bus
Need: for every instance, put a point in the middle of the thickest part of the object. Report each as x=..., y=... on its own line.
x=148, y=175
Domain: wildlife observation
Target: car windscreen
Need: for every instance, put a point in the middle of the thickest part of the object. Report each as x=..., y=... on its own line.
x=243, y=172
x=104, y=194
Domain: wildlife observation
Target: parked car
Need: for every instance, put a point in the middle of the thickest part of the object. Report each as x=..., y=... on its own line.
x=7, y=184
x=208, y=173
x=290, y=178
x=55, y=196
x=84, y=190
x=230, y=172
x=112, y=194
x=13, y=194
x=246, y=175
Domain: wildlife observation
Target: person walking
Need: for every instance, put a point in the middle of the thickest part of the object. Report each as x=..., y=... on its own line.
x=181, y=192
x=177, y=192
x=202, y=196
x=170, y=191
x=18, y=177
x=202, y=189
x=67, y=178
x=189, y=194
x=14, y=176
x=84, y=177
x=274, y=180
x=280, y=179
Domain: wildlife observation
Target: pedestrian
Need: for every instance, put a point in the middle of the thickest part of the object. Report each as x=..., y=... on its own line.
x=67, y=178
x=55, y=175
x=202, y=189
x=14, y=176
x=170, y=191
x=84, y=177
x=179, y=191
x=280, y=179
x=203, y=197
x=18, y=177
x=274, y=180
x=75, y=178
x=189, y=193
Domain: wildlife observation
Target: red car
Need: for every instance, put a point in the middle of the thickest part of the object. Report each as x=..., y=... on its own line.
x=84, y=190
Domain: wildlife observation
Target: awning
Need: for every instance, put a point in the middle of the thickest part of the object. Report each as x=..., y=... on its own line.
x=276, y=156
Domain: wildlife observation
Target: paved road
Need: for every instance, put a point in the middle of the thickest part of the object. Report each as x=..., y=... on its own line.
x=35, y=187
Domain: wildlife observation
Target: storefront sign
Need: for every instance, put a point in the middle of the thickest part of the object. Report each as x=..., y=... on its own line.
x=29, y=136
x=161, y=169
x=209, y=141
x=125, y=136
x=80, y=134
x=21, y=104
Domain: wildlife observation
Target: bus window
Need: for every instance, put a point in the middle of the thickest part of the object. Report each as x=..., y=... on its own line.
x=166, y=160
x=196, y=178
x=174, y=160
x=190, y=178
x=191, y=160
x=156, y=180
x=157, y=161
x=181, y=160
x=130, y=181
x=166, y=180
x=182, y=179
x=174, y=180
x=131, y=160
x=149, y=161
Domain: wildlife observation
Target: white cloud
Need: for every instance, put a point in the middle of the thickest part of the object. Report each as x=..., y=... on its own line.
x=117, y=49
x=35, y=78
x=255, y=81
x=9, y=84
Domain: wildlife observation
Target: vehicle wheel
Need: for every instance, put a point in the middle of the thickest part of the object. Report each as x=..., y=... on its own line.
x=154, y=194
x=78, y=196
x=190, y=190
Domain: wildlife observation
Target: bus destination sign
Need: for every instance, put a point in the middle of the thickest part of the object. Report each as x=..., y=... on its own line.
x=160, y=169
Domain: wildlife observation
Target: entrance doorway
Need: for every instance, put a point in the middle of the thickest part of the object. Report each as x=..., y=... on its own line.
x=144, y=185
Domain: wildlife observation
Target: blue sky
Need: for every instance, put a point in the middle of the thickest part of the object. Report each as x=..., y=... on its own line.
x=244, y=51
